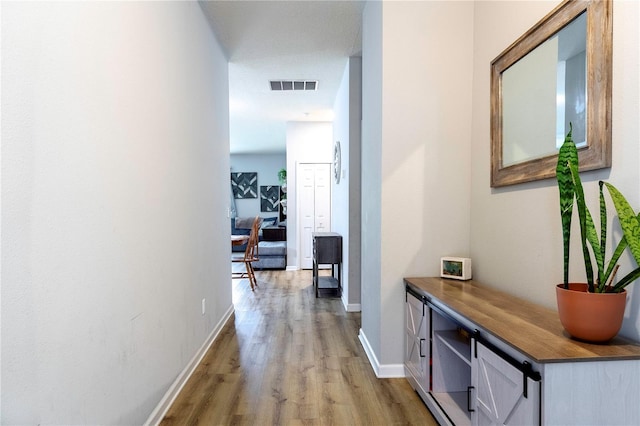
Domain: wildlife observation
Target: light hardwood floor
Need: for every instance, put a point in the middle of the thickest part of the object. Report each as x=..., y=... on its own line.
x=287, y=358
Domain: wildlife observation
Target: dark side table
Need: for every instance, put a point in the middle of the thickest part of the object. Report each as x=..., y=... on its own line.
x=274, y=233
x=327, y=249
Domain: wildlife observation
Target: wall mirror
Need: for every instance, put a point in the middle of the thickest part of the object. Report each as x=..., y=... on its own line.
x=556, y=73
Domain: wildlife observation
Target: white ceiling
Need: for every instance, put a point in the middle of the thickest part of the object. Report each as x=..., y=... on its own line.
x=282, y=40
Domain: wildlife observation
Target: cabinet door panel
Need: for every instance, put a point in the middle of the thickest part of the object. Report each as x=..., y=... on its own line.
x=499, y=397
x=416, y=341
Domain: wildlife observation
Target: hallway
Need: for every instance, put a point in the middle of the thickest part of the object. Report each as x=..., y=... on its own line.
x=289, y=358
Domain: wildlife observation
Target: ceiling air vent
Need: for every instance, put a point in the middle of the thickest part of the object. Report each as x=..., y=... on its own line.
x=294, y=84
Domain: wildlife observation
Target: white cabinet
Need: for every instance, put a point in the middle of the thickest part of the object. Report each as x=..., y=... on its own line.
x=417, y=344
x=463, y=379
x=499, y=360
x=502, y=393
x=451, y=365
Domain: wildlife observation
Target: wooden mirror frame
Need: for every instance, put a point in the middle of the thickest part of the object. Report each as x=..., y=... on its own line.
x=597, y=153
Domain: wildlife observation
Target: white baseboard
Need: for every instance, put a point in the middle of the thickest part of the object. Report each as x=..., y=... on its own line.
x=351, y=307
x=292, y=268
x=169, y=397
x=383, y=371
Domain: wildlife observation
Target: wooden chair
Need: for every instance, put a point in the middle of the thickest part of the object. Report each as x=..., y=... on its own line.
x=250, y=255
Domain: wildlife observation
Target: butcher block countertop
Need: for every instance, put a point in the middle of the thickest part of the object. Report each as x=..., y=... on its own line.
x=527, y=327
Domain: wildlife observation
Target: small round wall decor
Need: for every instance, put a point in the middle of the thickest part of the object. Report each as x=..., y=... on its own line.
x=337, y=162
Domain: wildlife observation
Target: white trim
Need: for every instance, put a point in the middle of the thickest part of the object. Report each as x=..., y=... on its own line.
x=369, y=351
x=391, y=371
x=174, y=390
x=292, y=268
x=383, y=371
x=351, y=307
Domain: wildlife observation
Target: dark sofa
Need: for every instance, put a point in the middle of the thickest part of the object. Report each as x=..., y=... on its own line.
x=266, y=221
x=272, y=254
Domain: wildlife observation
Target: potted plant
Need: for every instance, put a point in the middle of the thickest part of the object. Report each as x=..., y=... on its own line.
x=593, y=311
x=282, y=177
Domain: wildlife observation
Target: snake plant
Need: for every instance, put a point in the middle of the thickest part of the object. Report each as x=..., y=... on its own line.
x=571, y=190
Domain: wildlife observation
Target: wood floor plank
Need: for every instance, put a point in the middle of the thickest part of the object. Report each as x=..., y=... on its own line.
x=287, y=358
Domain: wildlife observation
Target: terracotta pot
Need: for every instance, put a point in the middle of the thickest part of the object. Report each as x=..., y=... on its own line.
x=592, y=317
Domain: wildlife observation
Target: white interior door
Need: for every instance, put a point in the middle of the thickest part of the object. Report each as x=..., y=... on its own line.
x=306, y=213
x=322, y=198
x=314, y=206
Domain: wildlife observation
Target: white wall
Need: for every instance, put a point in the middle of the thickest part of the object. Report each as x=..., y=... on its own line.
x=114, y=143
x=372, y=85
x=267, y=166
x=424, y=129
x=345, y=207
x=307, y=142
x=516, y=240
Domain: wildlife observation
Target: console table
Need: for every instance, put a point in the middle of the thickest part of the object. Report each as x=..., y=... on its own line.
x=327, y=249
x=480, y=356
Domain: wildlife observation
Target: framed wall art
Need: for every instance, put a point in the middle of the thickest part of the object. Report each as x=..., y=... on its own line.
x=458, y=268
x=244, y=185
x=269, y=198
